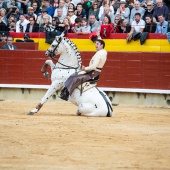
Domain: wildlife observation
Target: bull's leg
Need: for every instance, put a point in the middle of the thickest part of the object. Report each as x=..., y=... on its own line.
x=55, y=86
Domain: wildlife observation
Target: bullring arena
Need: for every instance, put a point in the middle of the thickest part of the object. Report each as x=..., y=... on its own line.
x=136, y=137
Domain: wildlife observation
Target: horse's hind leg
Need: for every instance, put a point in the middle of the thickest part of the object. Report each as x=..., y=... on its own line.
x=52, y=89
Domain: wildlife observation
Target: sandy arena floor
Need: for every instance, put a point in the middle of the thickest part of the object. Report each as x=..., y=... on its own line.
x=55, y=138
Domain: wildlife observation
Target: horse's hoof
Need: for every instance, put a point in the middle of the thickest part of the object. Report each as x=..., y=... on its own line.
x=30, y=113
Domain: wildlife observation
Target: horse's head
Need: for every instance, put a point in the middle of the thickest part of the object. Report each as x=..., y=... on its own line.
x=52, y=51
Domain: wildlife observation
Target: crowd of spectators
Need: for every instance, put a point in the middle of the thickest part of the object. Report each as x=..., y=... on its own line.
x=101, y=17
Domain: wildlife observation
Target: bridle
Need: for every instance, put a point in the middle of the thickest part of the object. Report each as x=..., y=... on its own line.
x=52, y=54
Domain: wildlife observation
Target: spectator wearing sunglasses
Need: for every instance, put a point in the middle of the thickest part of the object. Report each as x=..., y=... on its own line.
x=94, y=10
x=32, y=26
x=71, y=15
x=149, y=10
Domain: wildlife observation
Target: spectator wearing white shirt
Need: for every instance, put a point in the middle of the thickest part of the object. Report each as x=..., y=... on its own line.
x=21, y=25
x=61, y=6
x=72, y=16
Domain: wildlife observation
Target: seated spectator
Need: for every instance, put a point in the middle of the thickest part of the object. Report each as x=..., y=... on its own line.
x=71, y=6
x=47, y=25
x=30, y=13
x=115, y=4
x=3, y=37
x=60, y=15
x=94, y=10
x=21, y=25
x=86, y=6
x=12, y=24
x=136, y=9
x=85, y=28
x=49, y=9
x=72, y=16
x=9, y=45
x=159, y=10
x=115, y=24
x=32, y=26
x=150, y=25
x=40, y=19
x=55, y=4
x=67, y=2
x=62, y=8
x=3, y=16
x=106, y=27
x=107, y=12
x=3, y=26
x=123, y=12
x=162, y=25
x=3, y=4
x=25, y=39
x=23, y=5
x=106, y=3
x=149, y=10
x=145, y=2
x=123, y=26
x=94, y=24
x=80, y=12
x=77, y=26
x=36, y=8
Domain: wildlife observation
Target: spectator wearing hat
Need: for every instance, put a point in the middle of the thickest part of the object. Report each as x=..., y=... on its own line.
x=149, y=10
x=21, y=25
x=49, y=9
x=32, y=26
x=9, y=45
x=136, y=9
x=3, y=37
x=40, y=19
x=30, y=13
x=123, y=12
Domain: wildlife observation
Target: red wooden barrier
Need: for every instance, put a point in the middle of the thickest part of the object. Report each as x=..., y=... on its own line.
x=122, y=70
x=23, y=45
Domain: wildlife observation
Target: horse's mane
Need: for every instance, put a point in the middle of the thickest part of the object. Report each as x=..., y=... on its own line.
x=74, y=47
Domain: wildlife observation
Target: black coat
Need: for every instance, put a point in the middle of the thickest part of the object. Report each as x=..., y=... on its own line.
x=34, y=29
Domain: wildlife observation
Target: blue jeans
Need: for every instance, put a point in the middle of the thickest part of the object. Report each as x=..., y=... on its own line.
x=25, y=7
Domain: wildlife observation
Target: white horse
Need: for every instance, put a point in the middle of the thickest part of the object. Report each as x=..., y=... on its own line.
x=90, y=101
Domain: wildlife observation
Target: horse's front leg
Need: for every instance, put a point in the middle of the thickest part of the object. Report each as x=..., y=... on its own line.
x=55, y=86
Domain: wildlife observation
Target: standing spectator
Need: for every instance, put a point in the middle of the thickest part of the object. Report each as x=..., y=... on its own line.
x=23, y=5
x=9, y=45
x=62, y=7
x=106, y=3
x=149, y=10
x=136, y=9
x=21, y=24
x=32, y=26
x=40, y=19
x=107, y=12
x=49, y=9
x=72, y=16
x=94, y=10
x=123, y=12
x=94, y=24
x=30, y=13
x=80, y=12
x=150, y=25
x=162, y=25
x=160, y=9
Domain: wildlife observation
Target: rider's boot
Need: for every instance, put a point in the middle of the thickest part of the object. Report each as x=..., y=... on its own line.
x=64, y=94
